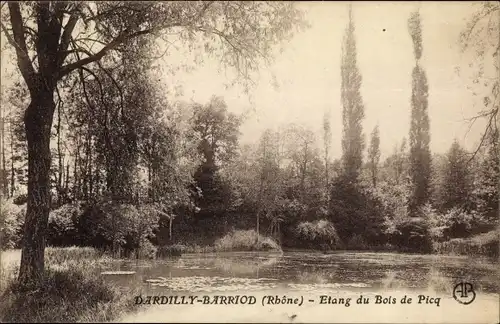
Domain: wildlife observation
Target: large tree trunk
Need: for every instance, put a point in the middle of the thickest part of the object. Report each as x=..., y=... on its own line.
x=38, y=123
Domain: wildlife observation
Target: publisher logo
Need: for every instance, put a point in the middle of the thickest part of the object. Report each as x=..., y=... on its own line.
x=464, y=293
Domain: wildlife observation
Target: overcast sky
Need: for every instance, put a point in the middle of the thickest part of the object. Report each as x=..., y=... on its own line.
x=308, y=74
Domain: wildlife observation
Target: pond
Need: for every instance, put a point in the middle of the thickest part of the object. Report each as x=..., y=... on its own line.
x=327, y=287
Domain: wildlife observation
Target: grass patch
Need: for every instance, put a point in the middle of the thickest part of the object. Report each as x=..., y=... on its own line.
x=73, y=254
x=245, y=241
x=483, y=244
x=72, y=291
x=235, y=241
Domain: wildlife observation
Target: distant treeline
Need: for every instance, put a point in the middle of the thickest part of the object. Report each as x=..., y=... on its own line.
x=284, y=183
x=132, y=171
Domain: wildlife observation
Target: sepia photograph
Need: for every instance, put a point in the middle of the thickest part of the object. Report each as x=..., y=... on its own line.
x=250, y=161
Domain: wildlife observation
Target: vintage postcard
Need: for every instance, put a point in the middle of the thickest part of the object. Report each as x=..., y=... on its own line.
x=249, y=161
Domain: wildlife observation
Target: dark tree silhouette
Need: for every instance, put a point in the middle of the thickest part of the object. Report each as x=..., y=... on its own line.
x=420, y=155
x=352, y=106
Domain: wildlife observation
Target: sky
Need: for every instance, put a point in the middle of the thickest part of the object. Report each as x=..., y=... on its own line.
x=308, y=75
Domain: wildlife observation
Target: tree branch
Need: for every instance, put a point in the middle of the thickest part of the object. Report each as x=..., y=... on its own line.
x=86, y=39
x=66, y=37
x=472, y=25
x=124, y=36
x=115, y=83
x=97, y=56
x=489, y=127
x=18, y=41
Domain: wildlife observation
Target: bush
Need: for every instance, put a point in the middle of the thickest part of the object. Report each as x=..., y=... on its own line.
x=147, y=250
x=456, y=223
x=412, y=235
x=245, y=241
x=11, y=224
x=393, y=198
x=62, y=229
x=118, y=227
x=320, y=233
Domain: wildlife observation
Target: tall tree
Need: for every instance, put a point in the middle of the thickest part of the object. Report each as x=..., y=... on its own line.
x=170, y=163
x=218, y=131
x=50, y=41
x=420, y=155
x=374, y=155
x=455, y=189
x=352, y=106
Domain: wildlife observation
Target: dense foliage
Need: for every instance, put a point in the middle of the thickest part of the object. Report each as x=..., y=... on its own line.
x=133, y=171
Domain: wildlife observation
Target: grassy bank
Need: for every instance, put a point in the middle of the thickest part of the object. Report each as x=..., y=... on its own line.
x=235, y=241
x=486, y=244
x=72, y=290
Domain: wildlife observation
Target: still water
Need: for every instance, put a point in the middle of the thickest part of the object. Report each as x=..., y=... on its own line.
x=302, y=270
x=311, y=276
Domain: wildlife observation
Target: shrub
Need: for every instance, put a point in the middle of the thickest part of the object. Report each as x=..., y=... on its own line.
x=394, y=198
x=412, y=235
x=114, y=226
x=245, y=241
x=11, y=224
x=147, y=250
x=62, y=229
x=458, y=223
x=436, y=223
x=455, y=223
x=319, y=233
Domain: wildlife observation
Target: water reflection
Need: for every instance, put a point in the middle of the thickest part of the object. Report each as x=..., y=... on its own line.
x=307, y=271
